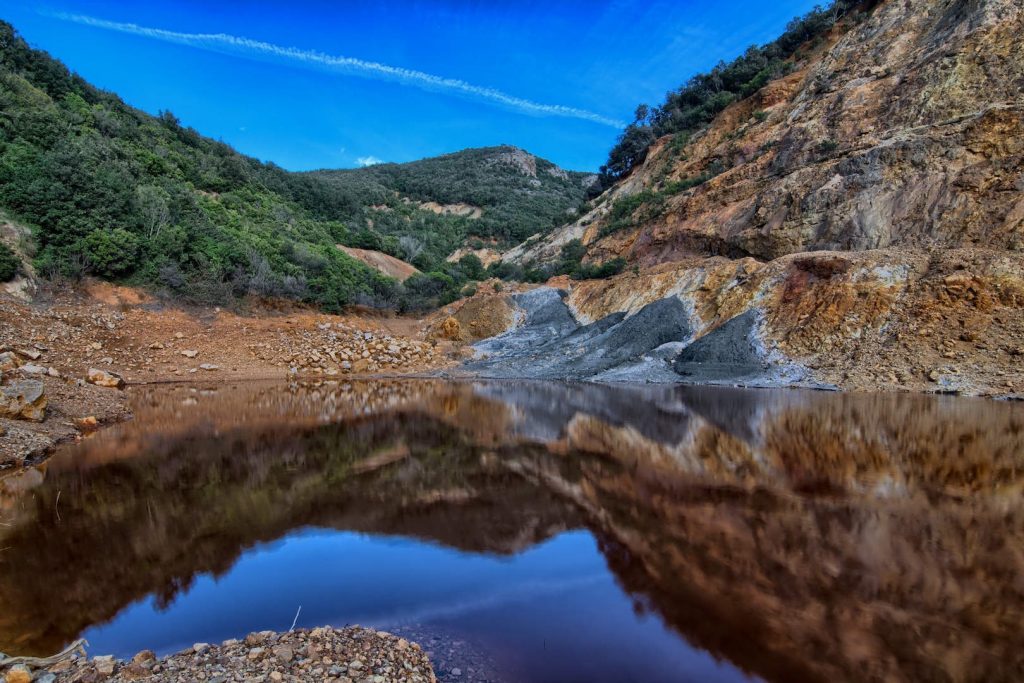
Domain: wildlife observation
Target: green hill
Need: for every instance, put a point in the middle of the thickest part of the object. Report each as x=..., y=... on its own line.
x=117, y=193
x=516, y=195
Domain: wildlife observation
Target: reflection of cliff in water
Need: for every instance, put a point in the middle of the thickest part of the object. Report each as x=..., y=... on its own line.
x=802, y=536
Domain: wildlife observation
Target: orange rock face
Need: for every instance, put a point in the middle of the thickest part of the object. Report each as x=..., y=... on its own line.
x=869, y=206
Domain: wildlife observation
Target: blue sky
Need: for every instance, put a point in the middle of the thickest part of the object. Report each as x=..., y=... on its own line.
x=336, y=84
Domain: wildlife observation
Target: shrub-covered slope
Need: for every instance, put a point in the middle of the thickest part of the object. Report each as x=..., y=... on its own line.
x=117, y=193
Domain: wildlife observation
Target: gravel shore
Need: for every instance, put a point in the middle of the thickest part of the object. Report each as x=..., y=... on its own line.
x=346, y=655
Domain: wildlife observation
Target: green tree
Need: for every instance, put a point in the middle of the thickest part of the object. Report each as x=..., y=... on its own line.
x=153, y=206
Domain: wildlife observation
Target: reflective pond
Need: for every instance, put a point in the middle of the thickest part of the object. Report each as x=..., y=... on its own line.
x=556, y=532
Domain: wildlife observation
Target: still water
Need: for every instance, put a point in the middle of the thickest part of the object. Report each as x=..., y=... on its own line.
x=565, y=532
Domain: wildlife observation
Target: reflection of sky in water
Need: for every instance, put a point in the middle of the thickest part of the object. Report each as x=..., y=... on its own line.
x=746, y=520
x=555, y=606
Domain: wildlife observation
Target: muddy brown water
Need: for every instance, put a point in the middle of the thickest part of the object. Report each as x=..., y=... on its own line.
x=536, y=531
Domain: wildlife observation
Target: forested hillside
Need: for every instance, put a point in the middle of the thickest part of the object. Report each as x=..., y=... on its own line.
x=114, y=192
x=518, y=194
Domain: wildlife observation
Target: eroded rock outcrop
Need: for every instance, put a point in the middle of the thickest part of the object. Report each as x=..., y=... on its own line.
x=867, y=209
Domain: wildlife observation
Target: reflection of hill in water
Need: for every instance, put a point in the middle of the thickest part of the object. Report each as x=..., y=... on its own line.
x=802, y=536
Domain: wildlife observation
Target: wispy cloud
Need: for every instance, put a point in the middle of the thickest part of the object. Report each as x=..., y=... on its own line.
x=347, y=65
x=368, y=160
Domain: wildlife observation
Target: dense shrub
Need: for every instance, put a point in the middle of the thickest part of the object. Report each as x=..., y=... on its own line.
x=9, y=263
x=571, y=263
x=428, y=290
x=599, y=271
x=472, y=266
x=111, y=253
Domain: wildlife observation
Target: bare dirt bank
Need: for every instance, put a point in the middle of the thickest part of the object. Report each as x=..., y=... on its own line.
x=55, y=342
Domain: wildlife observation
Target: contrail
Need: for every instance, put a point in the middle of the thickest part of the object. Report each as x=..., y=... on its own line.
x=348, y=65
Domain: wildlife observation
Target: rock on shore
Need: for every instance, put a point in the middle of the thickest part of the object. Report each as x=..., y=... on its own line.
x=346, y=655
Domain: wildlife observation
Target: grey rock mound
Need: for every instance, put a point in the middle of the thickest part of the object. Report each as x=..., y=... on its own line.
x=550, y=344
x=727, y=353
x=654, y=345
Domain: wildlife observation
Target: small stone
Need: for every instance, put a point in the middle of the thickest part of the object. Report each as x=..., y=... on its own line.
x=8, y=361
x=31, y=354
x=24, y=399
x=104, y=664
x=103, y=378
x=355, y=664
x=255, y=653
x=144, y=657
x=190, y=353
x=284, y=653
x=156, y=346
x=87, y=424
x=95, y=346
x=31, y=369
x=210, y=367
x=62, y=666
x=934, y=375
x=18, y=674
x=135, y=672
x=276, y=676
x=179, y=335
x=46, y=678
x=200, y=647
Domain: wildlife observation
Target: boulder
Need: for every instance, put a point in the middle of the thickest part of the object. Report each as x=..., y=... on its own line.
x=24, y=399
x=103, y=378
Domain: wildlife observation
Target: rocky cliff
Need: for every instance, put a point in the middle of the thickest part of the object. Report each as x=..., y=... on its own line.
x=867, y=208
